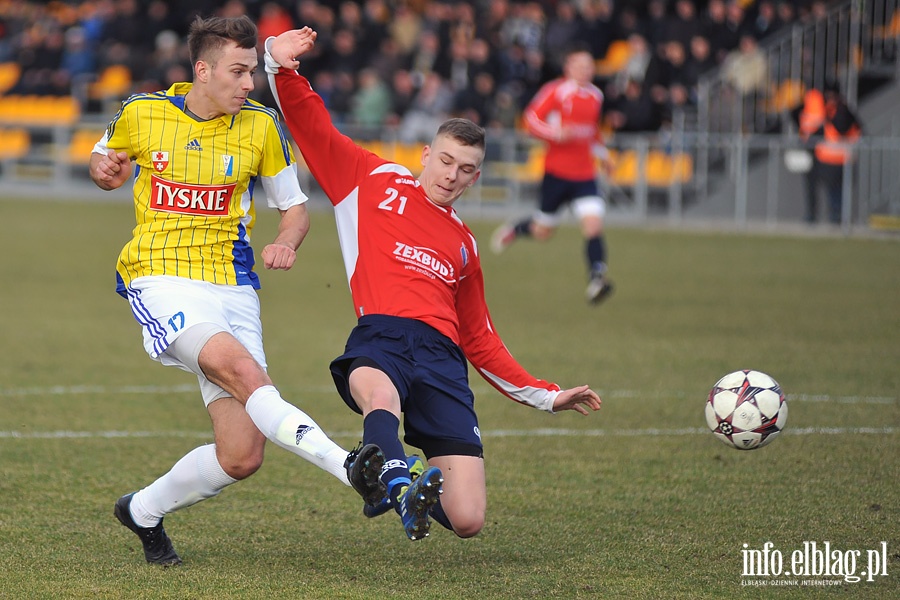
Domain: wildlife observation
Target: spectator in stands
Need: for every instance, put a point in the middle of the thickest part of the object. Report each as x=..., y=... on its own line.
x=273, y=19
x=746, y=68
x=476, y=101
x=598, y=25
x=429, y=109
x=715, y=29
x=684, y=24
x=656, y=23
x=371, y=104
x=78, y=60
x=426, y=55
x=676, y=75
x=766, y=21
x=405, y=27
x=481, y=59
x=403, y=93
x=560, y=33
x=346, y=56
x=636, y=111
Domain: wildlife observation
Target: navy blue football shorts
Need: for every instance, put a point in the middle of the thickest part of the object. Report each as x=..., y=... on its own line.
x=431, y=374
x=557, y=192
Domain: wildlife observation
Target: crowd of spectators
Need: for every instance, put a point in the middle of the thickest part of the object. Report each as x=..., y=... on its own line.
x=411, y=63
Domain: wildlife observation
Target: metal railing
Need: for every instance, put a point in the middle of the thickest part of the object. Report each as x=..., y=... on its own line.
x=856, y=37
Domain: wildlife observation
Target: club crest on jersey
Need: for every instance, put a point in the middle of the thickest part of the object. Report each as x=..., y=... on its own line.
x=464, y=255
x=160, y=161
x=227, y=165
x=189, y=199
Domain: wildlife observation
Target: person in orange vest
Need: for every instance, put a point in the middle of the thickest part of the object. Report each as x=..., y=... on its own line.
x=835, y=139
x=809, y=118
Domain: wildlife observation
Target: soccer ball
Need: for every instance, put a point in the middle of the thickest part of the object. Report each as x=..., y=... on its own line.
x=746, y=409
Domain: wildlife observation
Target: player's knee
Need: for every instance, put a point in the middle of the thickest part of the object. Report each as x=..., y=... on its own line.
x=469, y=525
x=242, y=466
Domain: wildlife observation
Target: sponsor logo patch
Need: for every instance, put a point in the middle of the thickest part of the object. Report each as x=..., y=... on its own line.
x=425, y=260
x=188, y=199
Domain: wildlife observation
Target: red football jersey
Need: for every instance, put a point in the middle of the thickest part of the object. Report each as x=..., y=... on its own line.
x=405, y=256
x=563, y=104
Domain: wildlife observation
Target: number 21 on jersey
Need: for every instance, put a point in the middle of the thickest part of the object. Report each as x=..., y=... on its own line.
x=394, y=201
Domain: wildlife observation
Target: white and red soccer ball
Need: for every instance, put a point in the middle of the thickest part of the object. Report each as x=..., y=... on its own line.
x=746, y=409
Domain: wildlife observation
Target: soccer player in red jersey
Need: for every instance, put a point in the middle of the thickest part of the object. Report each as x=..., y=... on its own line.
x=565, y=114
x=416, y=283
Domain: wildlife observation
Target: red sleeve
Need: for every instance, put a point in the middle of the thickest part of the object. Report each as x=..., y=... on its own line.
x=488, y=354
x=535, y=115
x=336, y=163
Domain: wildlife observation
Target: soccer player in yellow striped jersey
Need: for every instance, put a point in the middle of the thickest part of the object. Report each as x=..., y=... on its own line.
x=195, y=153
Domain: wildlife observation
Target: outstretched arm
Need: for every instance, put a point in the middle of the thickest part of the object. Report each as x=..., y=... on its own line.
x=577, y=399
x=291, y=45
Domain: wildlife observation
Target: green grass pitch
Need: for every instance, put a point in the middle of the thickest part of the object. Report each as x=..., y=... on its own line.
x=636, y=501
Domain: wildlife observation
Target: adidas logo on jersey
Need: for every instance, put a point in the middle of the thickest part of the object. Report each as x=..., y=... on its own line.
x=194, y=145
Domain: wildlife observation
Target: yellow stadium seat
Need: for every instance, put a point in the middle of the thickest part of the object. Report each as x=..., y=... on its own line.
x=625, y=169
x=114, y=82
x=9, y=76
x=14, y=143
x=786, y=96
x=616, y=58
x=81, y=145
x=67, y=110
x=532, y=170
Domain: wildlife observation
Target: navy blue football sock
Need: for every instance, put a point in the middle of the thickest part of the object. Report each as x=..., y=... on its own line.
x=596, y=255
x=437, y=513
x=523, y=228
x=381, y=427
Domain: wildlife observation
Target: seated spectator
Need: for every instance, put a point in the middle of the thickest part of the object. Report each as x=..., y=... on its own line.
x=746, y=68
x=635, y=110
x=476, y=101
x=371, y=104
x=429, y=109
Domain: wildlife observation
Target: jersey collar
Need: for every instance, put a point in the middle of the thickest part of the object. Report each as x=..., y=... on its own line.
x=179, y=90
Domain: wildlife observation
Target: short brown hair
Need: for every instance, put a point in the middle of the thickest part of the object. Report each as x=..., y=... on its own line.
x=207, y=36
x=464, y=131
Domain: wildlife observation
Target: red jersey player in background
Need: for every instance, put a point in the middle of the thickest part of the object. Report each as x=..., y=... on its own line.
x=565, y=114
x=416, y=283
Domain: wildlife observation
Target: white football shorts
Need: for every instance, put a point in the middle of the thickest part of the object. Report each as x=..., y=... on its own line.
x=166, y=307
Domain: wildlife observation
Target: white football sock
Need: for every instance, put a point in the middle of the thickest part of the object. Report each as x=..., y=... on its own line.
x=294, y=430
x=197, y=476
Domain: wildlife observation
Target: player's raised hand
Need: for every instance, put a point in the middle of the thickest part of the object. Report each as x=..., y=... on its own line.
x=111, y=170
x=577, y=398
x=290, y=45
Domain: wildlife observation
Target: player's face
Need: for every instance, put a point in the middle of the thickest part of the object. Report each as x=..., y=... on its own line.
x=230, y=79
x=580, y=67
x=449, y=169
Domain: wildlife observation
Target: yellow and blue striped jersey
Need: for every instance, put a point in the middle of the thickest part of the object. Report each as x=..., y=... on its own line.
x=194, y=183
